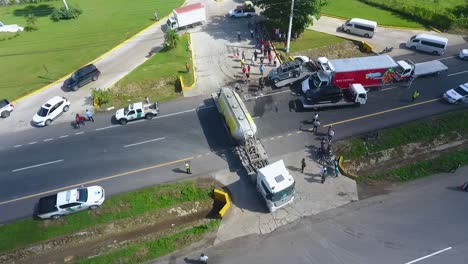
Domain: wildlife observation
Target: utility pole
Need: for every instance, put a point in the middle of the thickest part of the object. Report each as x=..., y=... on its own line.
x=65, y=3
x=290, y=27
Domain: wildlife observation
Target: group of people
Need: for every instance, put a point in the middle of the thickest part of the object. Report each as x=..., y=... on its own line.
x=80, y=120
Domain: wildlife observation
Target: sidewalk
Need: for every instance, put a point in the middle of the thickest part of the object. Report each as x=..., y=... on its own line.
x=248, y=215
x=384, y=37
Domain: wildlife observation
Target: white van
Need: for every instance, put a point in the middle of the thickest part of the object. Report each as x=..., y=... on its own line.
x=428, y=43
x=360, y=27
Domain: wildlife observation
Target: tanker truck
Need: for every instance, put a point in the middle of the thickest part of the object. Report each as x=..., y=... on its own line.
x=273, y=181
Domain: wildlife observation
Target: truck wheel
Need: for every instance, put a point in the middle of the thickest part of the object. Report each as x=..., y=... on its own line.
x=366, y=35
x=275, y=80
x=95, y=77
x=149, y=116
x=348, y=31
x=413, y=48
x=47, y=122
x=297, y=74
x=56, y=216
x=75, y=87
x=93, y=207
x=5, y=114
x=123, y=121
x=435, y=53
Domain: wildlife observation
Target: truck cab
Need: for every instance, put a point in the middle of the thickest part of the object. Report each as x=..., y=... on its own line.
x=276, y=185
x=404, y=70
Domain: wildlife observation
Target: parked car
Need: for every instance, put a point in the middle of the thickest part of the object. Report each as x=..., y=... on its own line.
x=70, y=201
x=51, y=110
x=463, y=54
x=285, y=71
x=82, y=76
x=457, y=95
x=10, y=28
x=5, y=108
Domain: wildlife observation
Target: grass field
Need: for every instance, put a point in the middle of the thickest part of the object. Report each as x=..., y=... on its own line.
x=37, y=58
x=155, y=78
x=312, y=39
x=355, y=8
x=115, y=208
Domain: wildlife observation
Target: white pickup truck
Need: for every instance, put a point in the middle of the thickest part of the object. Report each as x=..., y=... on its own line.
x=136, y=111
x=10, y=28
x=242, y=11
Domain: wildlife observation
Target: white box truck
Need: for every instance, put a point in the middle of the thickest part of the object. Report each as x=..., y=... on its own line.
x=186, y=16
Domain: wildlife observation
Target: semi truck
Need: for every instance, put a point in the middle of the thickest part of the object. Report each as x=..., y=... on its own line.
x=372, y=71
x=273, y=181
x=187, y=16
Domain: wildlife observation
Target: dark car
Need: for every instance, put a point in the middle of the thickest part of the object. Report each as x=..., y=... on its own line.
x=285, y=71
x=5, y=108
x=324, y=94
x=82, y=76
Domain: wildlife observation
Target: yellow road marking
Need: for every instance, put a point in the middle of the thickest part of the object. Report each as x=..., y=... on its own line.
x=381, y=112
x=96, y=180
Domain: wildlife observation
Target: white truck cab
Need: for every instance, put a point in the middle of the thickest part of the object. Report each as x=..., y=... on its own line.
x=136, y=111
x=276, y=185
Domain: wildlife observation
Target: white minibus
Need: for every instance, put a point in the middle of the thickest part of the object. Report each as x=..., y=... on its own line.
x=428, y=43
x=360, y=27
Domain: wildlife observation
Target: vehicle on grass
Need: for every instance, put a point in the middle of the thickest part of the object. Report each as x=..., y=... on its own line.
x=51, y=110
x=273, y=181
x=361, y=27
x=82, y=77
x=5, y=108
x=10, y=28
x=371, y=71
x=463, y=54
x=136, y=111
x=331, y=96
x=186, y=16
x=302, y=59
x=428, y=43
x=70, y=201
x=245, y=10
x=457, y=95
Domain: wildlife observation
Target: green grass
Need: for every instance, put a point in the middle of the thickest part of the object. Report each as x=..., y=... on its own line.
x=37, y=58
x=118, y=207
x=310, y=40
x=156, y=77
x=355, y=8
x=418, y=131
x=441, y=164
x=153, y=249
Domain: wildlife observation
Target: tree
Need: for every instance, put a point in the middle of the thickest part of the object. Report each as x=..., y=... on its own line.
x=171, y=38
x=278, y=11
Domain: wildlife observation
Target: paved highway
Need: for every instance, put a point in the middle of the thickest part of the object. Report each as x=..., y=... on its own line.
x=150, y=152
x=423, y=222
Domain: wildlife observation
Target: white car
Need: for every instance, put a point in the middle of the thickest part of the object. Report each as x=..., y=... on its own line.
x=70, y=201
x=463, y=54
x=457, y=95
x=10, y=28
x=5, y=108
x=51, y=110
x=302, y=59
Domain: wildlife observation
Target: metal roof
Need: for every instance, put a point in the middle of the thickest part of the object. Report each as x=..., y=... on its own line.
x=362, y=63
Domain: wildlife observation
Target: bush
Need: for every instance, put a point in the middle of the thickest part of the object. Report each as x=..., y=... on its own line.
x=31, y=23
x=64, y=14
x=100, y=96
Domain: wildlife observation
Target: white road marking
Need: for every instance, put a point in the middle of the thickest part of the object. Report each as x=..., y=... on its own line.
x=64, y=136
x=107, y=127
x=147, y=141
x=389, y=88
x=79, y=133
x=265, y=95
x=38, y=165
x=48, y=139
x=177, y=113
x=32, y=143
x=446, y=58
x=428, y=256
x=456, y=73
x=17, y=146
x=255, y=117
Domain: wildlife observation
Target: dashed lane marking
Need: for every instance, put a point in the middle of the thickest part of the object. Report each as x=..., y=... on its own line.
x=32, y=143
x=144, y=142
x=456, y=73
x=64, y=136
x=79, y=133
x=37, y=165
x=17, y=146
x=48, y=139
x=428, y=256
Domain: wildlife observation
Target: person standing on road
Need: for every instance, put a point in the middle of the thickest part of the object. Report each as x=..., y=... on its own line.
x=243, y=55
x=337, y=169
x=315, y=117
x=248, y=68
x=255, y=54
x=251, y=33
x=187, y=167
x=261, y=84
x=238, y=35
x=252, y=60
x=244, y=71
x=270, y=58
x=303, y=165
x=315, y=127
x=89, y=115
x=415, y=95
x=331, y=134
x=261, y=68
x=204, y=258
x=247, y=75
x=323, y=172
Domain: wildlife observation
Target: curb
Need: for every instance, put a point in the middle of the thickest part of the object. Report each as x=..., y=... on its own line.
x=93, y=61
x=223, y=197
x=193, y=69
x=344, y=171
x=276, y=52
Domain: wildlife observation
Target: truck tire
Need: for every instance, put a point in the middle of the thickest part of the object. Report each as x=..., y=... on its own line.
x=75, y=87
x=123, y=121
x=93, y=207
x=95, y=77
x=413, y=48
x=366, y=35
x=435, y=53
x=5, y=114
x=149, y=116
x=348, y=31
x=56, y=216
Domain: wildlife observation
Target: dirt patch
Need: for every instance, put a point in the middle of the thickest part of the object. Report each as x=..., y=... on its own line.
x=347, y=49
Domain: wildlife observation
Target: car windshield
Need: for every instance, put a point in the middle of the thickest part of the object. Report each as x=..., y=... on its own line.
x=315, y=81
x=283, y=194
x=126, y=111
x=3, y=103
x=459, y=90
x=74, y=76
x=43, y=112
x=82, y=195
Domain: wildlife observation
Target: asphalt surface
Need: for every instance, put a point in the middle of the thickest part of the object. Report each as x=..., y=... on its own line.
x=421, y=222
x=56, y=157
